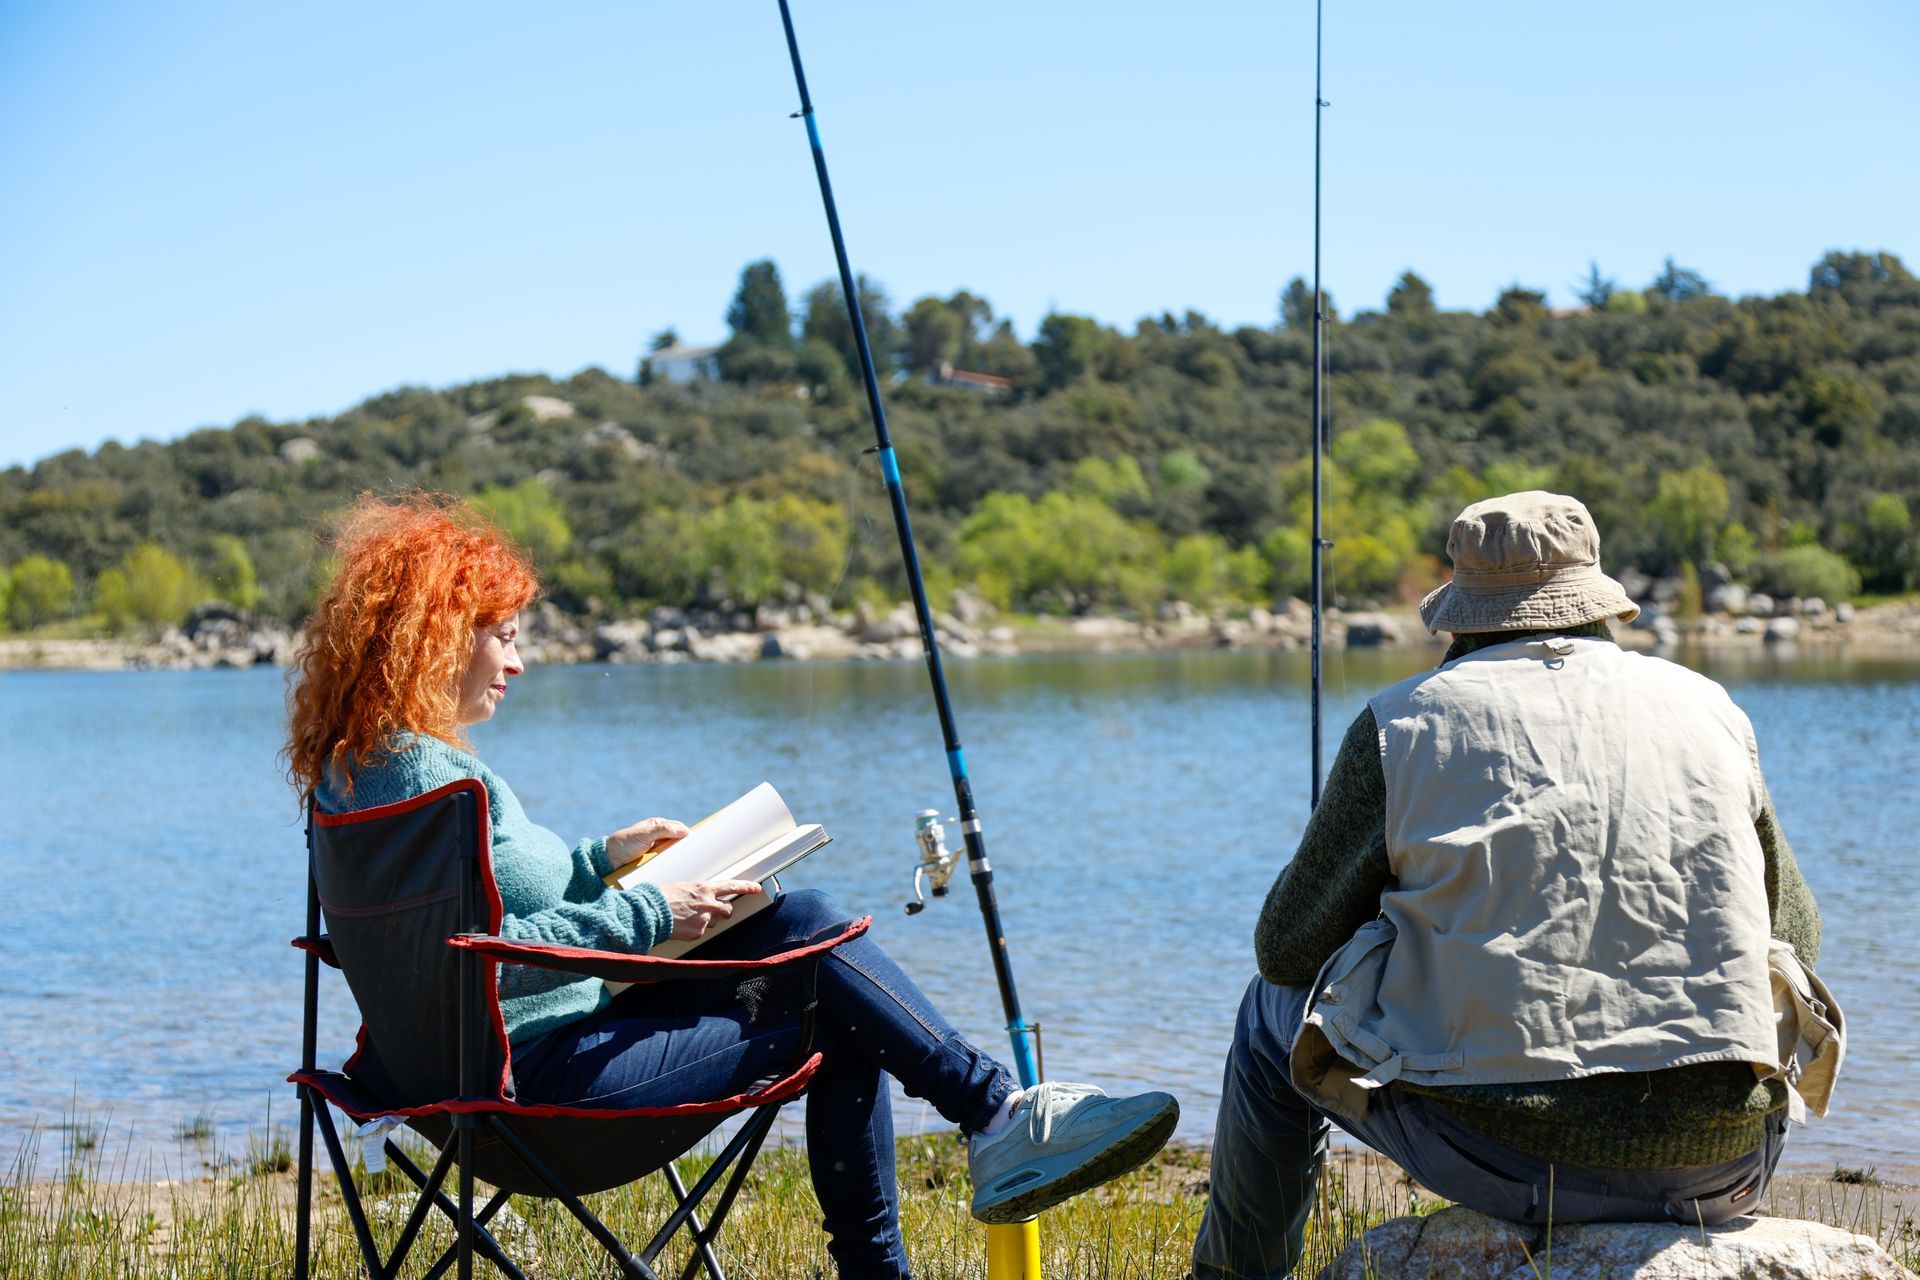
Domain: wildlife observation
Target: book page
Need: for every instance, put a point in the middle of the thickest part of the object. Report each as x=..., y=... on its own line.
x=753, y=821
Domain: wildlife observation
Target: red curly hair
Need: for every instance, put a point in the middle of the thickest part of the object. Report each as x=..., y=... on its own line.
x=387, y=644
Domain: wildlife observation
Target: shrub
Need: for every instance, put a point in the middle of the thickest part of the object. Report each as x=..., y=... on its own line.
x=38, y=590
x=1809, y=570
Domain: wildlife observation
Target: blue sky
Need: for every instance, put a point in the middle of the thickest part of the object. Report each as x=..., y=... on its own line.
x=215, y=209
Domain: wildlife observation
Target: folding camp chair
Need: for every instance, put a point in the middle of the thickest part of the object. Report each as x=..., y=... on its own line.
x=413, y=916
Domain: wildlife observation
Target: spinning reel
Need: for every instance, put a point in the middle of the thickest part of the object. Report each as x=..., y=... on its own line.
x=937, y=862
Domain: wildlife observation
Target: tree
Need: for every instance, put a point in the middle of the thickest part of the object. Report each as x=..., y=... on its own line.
x=934, y=335
x=151, y=585
x=1521, y=306
x=665, y=340
x=1411, y=298
x=827, y=321
x=1596, y=290
x=758, y=312
x=530, y=515
x=1887, y=551
x=1068, y=550
x=1118, y=482
x=1855, y=275
x=38, y=591
x=1690, y=508
x=1296, y=306
x=1679, y=284
x=234, y=577
x=1068, y=349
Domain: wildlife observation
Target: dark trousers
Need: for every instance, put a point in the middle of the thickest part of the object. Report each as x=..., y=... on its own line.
x=1268, y=1145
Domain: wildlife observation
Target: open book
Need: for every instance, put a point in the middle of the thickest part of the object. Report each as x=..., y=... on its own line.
x=754, y=838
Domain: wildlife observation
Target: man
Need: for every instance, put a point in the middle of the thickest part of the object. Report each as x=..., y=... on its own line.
x=1536, y=934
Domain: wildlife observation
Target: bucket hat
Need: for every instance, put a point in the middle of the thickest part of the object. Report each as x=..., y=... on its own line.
x=1524, y=562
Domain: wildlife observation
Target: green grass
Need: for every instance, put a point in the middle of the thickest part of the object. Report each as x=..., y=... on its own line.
x=101, y=1218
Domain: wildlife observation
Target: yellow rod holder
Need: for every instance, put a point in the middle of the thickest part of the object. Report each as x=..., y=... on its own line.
x=1013, y=1251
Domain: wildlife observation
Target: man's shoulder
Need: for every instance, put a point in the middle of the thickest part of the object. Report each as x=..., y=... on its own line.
x=1654, y=670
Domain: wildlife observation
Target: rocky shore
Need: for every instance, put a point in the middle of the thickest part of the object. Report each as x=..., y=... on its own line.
x=216, y=636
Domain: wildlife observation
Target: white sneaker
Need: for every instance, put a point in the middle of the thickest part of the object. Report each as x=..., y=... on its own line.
x=1061, y=1140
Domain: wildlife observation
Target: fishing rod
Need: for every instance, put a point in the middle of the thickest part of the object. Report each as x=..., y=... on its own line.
x=1320, y=543
x=1018, y=1029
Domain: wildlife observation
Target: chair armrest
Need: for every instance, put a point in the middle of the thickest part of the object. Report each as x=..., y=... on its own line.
x=618, y=966
x=320, y=948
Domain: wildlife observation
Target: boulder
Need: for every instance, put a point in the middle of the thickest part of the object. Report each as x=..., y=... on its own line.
x=970, y=608
x=1371, y=630
x=1730, y=598
x=622, y=641
x=547, y=408
x=299, y=451
x=891, y=627
x=1760, y=605
x=1812, y=607
x=727, y=646
x=1460, y=1243
x=1843, y=612
x=1783, y=631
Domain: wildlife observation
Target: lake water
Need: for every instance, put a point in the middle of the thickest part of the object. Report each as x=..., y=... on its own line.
x=1136, y=809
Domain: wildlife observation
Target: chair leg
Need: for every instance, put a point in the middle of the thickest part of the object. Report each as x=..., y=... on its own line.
x=342, y=1172
x=632, y=1267
x=484, y=1243
x=743, y=1160
x=303, y=1203
x=703, y=1249
x=429, y=1189
x=745, y=1143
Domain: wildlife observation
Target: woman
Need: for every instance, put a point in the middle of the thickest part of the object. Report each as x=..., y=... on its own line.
x=414, y=641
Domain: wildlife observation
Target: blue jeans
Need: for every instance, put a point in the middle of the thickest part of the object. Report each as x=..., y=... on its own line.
x=1268, y=1145
x=654, y=1047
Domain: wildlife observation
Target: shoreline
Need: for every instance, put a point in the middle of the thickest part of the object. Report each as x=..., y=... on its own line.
x=221, y=639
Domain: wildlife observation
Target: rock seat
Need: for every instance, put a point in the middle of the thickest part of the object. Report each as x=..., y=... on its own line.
x=1459, y=1244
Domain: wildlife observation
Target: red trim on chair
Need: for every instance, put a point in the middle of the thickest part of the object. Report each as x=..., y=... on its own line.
x=779, y=1091
x=539, y=954
x=398, y=807
x=320, y=948
x=359, y=1047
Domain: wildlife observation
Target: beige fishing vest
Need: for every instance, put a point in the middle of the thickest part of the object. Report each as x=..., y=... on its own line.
x=1578, y=889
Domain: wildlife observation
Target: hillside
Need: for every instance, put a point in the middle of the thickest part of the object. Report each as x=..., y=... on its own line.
x=1778, y=437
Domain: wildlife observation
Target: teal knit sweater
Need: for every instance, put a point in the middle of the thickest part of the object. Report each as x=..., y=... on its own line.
x=549, y=893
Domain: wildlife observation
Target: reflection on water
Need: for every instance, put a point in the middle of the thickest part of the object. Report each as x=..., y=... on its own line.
x=1136, y=809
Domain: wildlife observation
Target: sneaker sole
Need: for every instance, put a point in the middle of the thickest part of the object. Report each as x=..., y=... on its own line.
x=1124, y=1156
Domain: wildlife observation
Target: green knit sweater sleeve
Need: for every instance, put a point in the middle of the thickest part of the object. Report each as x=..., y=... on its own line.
x=1334, y=882
x=1790, y=905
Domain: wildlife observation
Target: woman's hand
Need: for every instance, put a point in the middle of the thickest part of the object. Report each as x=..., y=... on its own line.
x=649, y=835
x=696, y=904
